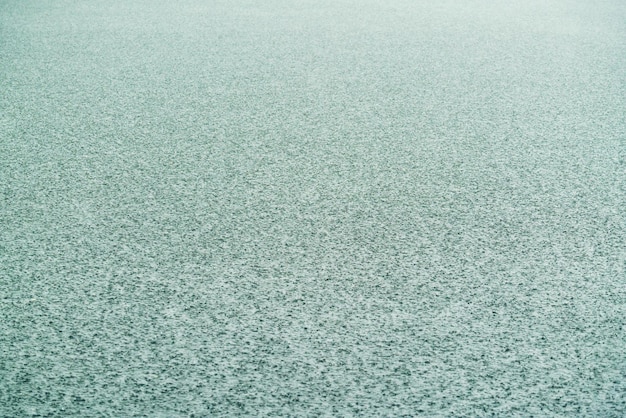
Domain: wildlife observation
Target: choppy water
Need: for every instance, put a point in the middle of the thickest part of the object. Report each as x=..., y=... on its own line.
x=334, y=208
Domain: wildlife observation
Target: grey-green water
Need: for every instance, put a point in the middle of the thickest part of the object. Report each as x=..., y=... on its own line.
x=373, y=208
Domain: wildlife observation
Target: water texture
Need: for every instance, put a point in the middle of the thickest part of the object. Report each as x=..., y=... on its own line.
x=299, y=208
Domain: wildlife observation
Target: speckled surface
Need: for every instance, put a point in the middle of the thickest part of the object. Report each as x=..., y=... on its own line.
x=335, y=208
